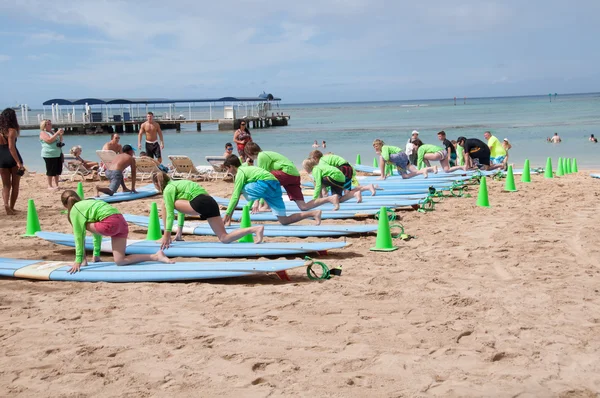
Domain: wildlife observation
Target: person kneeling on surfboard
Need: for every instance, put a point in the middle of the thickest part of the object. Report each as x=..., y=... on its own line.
x=326, y=176
x=101, y=219
x=342, y=165
x=288, y=176
x=256, y=183
x=394, y=155
x=192, y=199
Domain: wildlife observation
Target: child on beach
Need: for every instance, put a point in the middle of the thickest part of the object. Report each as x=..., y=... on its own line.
x=506, y=145
x=394, y=155
x=256, y=183
x=228, y=149
x=101, y=219
x=288, y=176
x=326, y=176
x=427, y=152
x=342, y=165
x=192, y=199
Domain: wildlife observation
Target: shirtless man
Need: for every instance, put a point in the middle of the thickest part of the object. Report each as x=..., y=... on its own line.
x=113, y=144
x=115, y=173
x=153, y=134
x=555, y=139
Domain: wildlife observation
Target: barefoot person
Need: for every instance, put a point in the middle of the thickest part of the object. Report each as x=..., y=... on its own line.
x=342, y=165
x=190, y=198
x=101, y=219
x=256, y=183
x=115, y=173
x=241, y=137
x=497, y=151
x=394, y=155
x=427, y=153
x=11, y=163
x=477, y=154
x=153, y=136
x=113, y=144
x=288, y=176
x=326, y=176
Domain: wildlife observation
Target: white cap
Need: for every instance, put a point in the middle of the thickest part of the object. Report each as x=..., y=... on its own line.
x=415, y=132
x=506, y=139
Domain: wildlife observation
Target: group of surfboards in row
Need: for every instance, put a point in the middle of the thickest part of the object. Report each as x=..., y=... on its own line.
x=261, y=184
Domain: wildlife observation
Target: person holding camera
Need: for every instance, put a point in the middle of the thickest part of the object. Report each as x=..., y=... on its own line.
x=52, y=143
x=11, y=163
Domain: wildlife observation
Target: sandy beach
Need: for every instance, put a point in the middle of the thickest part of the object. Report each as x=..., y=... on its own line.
x=499, y=302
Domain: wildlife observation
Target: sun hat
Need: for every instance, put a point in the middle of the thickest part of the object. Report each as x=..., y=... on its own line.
x=415, y=132
x=506, y=139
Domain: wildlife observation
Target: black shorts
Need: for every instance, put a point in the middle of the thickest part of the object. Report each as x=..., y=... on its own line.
x=206, y=206
x=336, y=186
x=153, y=150
x=53, y=166
x=482, y=156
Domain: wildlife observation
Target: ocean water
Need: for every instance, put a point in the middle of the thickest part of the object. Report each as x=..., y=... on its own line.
x=350, y=128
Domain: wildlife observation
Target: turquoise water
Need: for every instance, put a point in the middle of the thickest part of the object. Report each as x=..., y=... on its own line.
x=350, y=128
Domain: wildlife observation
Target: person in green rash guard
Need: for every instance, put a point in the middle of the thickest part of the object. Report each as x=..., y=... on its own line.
x=101, y=219
x=288, y=176
x=256, y=183
x=190, y=198
x=426, y=153
x=394, y=155
x=342, y=165
x=460, y=154
x=326, y=176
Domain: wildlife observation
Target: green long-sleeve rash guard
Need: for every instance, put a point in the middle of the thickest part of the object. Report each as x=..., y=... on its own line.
x=176, y=190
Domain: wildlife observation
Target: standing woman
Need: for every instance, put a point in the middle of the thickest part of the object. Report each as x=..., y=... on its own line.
x=11, y=163
x=241, y=137
x=52, y=144
x=506, y=145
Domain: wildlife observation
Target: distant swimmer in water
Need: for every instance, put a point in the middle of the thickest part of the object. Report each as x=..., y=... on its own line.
x=324, y=145
x=555, y=139
x=315, y=144
x=593, y=139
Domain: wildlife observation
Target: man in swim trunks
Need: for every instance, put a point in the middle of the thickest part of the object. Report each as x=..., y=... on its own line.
x=115, y=173
x=449, y=148
x=153, y=135
x=477, y=154
x=113, y=144
x=497, y=151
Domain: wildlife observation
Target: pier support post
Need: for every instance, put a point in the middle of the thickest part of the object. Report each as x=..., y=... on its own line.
x=198, y=126
x=178, y=127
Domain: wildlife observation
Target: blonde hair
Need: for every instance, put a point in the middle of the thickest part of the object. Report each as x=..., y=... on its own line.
x=43, y=124
x=69, y=198
x=316, y=154
x=309, y=164
x=378, y=142
x=75, y=148
x=160, y=181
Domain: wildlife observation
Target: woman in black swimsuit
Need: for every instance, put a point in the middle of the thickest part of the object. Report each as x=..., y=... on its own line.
x=11, y=163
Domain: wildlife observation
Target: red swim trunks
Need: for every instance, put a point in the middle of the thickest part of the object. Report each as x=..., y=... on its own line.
x=290, y=183
x=114, y=226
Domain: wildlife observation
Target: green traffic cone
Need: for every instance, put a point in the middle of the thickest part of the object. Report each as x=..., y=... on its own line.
x=548, y=170
x=568, y=165
x=154, y=232
x=80, y=191
x=510, y=180
x=526, y=176
x=33, y=222
x=358, y=159
x=482, y=197
x=245, y=223
x=560, y=170
x=574, y=168
x=375, y=162
x=383, y=243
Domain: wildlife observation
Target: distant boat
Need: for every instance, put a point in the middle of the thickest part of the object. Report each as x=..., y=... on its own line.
x=18, y=107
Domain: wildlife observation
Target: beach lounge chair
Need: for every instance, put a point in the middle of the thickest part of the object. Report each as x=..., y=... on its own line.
x=183, y=168
x=73, y=168
x=216, y=162
x=144, y=167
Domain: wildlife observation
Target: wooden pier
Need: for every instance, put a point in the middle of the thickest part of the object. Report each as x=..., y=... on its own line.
x=110, y=127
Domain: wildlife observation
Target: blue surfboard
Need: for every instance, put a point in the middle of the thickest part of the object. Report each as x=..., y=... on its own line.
x=595, y=175
x=142, y=192
x=350, y=205
x=143, y=272
x=326, y=215
x=201, y=249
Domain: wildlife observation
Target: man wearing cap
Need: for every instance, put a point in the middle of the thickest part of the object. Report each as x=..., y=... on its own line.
x=477, y=154
x=497, y=152
x=115, y=172
x=411, y=152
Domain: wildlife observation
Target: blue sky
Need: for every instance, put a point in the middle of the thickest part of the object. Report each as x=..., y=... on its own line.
x=302, y=51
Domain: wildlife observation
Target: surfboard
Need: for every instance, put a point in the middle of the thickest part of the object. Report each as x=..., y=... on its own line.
x=200, y=249
x=375, y=170
x=143, y=272
x=595, y=175
x=142, y=192
x=326, y=215
x=291, y=207
x=300, y=231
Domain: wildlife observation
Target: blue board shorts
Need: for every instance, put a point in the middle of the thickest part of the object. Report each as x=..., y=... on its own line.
x=400, y=160
x=497, y=160
x=270, y=191
x=116, y=179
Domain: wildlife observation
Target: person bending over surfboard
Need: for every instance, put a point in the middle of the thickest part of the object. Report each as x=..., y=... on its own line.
x=394, y=155
x=192, y=199
x=427, y=152
x=288, y=176
x=326, y=176
x=342, y=165
x=101, y=219
x=256, y=183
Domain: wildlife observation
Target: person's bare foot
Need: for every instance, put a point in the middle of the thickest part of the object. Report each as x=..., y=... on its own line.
x=160, y=256
x=9, y=211
x=178, y=237
x=358, y=197
x=317, y=217
x=372, y=189
x=335, y=201
x=435, y=169
x=260, y=233
x=425, y=173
